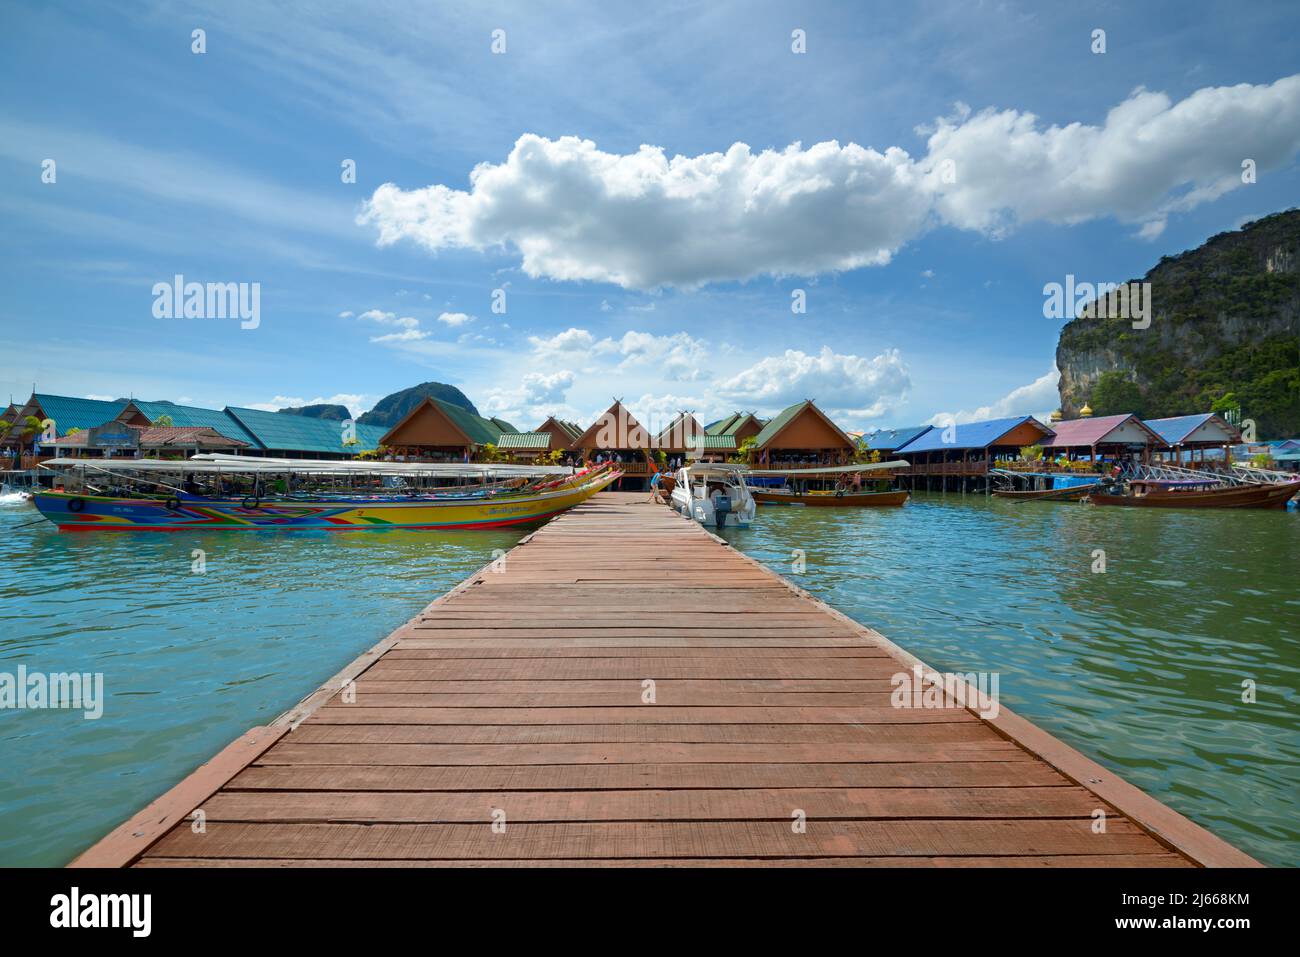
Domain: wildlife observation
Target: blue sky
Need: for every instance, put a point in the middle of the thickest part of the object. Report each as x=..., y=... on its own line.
x=667, y=282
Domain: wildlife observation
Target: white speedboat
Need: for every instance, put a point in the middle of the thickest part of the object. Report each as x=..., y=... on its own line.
x=714, y=494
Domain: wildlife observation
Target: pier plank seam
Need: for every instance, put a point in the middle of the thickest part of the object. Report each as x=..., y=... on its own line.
x=504, y=693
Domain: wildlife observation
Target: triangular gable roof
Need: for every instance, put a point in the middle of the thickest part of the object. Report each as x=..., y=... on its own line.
x=474, y=429
x=564, y=432
x=502, y=425
x=626, y=429
x=1078, y=433
x=674, y=436
x=790, y=415
x=722, y=425
x=972, y=435
x=734, y=423
x=1181, y=428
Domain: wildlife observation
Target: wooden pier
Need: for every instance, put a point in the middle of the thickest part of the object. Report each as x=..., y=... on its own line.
x=511, y=723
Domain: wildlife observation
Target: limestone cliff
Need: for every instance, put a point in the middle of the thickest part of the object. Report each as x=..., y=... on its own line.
x=1224, y=335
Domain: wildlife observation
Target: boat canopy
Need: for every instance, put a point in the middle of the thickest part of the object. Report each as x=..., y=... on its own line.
x=252, y=465
x=834, y=469
x=735, y=468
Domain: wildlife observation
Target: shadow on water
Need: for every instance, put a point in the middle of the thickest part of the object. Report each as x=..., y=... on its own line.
x=189, y=660
x=1140, y=666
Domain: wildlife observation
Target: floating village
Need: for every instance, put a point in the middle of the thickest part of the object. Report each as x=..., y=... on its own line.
x=92, y=464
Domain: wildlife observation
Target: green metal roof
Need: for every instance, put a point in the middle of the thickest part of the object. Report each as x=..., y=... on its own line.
x=777, y=424
x=725, y=426
x=717, y=443
x=69, y=412
x=502, y=424
x=532, y=441
x=277, y=432
x=480, y=431
x=184, y=416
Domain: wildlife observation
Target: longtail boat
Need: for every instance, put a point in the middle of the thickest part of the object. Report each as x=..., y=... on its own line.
x=785, y=496
x=1074, y=494
x=1151, y=493
x=841, y=495
x=526, y=495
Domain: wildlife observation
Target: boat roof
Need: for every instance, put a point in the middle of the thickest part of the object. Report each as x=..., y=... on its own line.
x=212, y=463
x=732, y=467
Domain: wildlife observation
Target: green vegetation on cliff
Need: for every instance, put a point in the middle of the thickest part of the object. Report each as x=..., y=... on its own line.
x=1224, y=335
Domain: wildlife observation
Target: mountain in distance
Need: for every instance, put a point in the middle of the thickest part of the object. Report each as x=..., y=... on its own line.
x=391, y=409
x=327, y=411
x=1224, y=336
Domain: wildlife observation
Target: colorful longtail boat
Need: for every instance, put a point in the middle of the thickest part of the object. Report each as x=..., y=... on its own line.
x=490, y=505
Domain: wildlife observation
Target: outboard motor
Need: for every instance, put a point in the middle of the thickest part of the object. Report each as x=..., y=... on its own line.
x=721, y=509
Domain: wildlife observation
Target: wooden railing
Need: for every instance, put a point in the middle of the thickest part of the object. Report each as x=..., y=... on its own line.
x=946, y=468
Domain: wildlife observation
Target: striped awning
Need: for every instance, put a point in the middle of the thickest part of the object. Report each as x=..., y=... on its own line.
x=526, y=441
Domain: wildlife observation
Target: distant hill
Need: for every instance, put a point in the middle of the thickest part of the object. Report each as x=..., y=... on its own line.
x=390, y=410
x=1223, y=336
x=331, y=413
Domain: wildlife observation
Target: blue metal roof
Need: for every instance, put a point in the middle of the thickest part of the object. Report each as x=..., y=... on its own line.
x=1174, y=430
x=972, y=435
x=277, y=432
x=69, y=412
x=886, y=439
x=188, y=415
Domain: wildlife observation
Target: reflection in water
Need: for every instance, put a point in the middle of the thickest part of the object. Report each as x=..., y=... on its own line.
x=189, y=661
x=1140, y=667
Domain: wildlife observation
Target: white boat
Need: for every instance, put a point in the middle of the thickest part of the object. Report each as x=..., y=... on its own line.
x=714, y=494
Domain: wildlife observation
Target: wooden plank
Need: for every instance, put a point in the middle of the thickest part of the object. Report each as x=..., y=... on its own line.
x=634, y=753
x=1016, y=771
x=468, y=807
x=651, y=839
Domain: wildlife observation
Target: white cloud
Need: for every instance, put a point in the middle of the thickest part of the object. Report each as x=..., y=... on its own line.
x=389, y=319
x=847, y=385
x=1038, y=398
x=644, y=220
x=571, y=343
x=406, y=335
x=455, y=318
x=537, y=396
x=677, y=356
x=346, y=314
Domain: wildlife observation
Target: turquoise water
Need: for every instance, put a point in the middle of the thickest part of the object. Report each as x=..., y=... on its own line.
x=1140, y=667
x=189, y=661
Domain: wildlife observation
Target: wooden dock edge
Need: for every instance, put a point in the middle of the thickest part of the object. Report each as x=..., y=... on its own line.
x=124, y=845
x=1171, y=829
